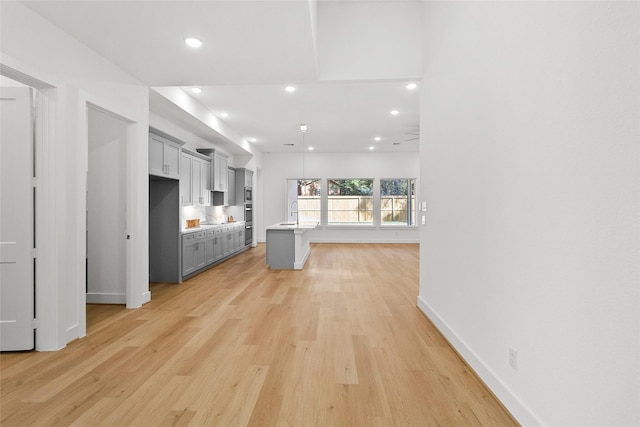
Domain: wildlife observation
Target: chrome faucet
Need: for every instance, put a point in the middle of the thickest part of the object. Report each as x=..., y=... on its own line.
x=291, y=211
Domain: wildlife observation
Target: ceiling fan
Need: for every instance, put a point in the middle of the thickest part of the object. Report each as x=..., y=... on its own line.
x=410, y=136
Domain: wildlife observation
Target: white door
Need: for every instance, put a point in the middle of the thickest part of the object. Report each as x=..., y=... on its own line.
x=16, y=220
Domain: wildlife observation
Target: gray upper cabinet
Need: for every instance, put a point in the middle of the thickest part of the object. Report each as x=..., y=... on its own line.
x=231, y=194
x=220, y=177
x=164, y=157
x=186, y=185
x=205, y=181
x=244, y=178
x=195, y=179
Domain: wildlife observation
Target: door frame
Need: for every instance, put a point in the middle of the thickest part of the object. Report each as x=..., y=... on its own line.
x=61, y=316
x=47, y=333
x=128, y=199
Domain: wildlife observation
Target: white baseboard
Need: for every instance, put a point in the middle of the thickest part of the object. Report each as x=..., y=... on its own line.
x=106, y=298
x=146, y=297
x=299, y=264
x=510, y=401
x=376, y=241
x=404, y=241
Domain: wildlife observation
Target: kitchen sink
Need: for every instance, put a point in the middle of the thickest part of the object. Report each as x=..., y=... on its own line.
x=288, y=223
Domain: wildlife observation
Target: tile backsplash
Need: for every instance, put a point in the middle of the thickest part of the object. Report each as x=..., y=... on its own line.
x=206, y=214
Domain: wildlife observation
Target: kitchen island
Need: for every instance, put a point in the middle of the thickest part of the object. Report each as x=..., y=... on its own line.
x=288, y=245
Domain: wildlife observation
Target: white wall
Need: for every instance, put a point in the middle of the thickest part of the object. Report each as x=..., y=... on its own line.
x=277, y=168
x=38, y=49
x=530, y=165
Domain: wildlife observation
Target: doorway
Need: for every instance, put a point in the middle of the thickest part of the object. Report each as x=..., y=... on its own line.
x=106, y=228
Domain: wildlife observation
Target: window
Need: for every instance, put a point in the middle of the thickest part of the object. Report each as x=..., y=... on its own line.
x=309, y=199
x=397, y=201
x=350, y=201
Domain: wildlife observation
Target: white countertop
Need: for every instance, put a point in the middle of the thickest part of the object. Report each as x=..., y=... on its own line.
x=204, y=227
x=305, y=225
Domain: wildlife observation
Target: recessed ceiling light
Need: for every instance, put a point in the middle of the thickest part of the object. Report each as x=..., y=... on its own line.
x=372, y=148
x=311, y=148
x=193, y=42
x=411, y=86
x=196, y=90
x=377, y=138
x=252, y=140
x=395, y=112
x=290, y=89
x=224, y=115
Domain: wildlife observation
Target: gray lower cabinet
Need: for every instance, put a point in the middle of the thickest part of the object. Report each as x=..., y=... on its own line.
x=203, y=248
x=217, y=246
x=209, y=247
x=238, y=237
x=193, y=252
x=213, y=246
x=227, y=242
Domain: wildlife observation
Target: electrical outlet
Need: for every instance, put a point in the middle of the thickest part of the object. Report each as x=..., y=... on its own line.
x=513, y=358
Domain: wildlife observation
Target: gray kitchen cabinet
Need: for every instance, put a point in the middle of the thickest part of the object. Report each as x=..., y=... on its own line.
x=208, y=247
x=193, y=252
x=219, y=175
x=217, y=246
x=221, y=166
x=164, y=157
x=231, y=193
x=234, y=239
x=248, y=178
x=213, y=246
x=205, y=182
x=196, y=185
x=244, y=178
x=239, y=237
x=227, y=242
x=186, y=195
x=195, y=180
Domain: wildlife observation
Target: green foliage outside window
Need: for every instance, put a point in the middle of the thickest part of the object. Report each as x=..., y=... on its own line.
x=350, y=187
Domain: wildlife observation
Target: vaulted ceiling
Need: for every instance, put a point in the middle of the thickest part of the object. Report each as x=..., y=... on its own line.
x=349, y=62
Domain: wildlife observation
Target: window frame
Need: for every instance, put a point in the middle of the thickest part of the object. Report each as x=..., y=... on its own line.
x=352, y=225
x=290, y=200
x=409, y=196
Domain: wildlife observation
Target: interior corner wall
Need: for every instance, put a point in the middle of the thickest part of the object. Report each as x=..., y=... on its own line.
x=530, y=167
x=35, y=47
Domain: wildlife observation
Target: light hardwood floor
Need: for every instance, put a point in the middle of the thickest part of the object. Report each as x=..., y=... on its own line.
x=340, y=343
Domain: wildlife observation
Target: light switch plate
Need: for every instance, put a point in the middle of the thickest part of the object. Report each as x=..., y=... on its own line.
x=424, y=206
x=424, y=220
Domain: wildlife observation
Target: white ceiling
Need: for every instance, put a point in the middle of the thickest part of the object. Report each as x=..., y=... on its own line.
x=349, y=61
